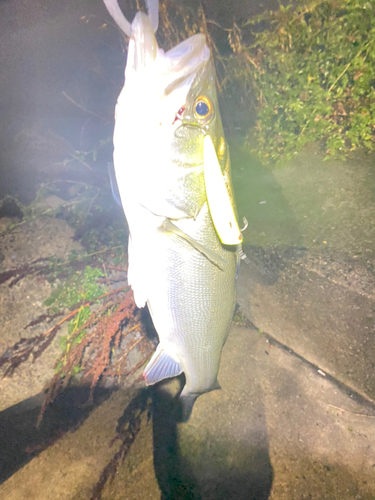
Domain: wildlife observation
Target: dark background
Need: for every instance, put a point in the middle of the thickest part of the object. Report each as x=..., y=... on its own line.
x=48, y=47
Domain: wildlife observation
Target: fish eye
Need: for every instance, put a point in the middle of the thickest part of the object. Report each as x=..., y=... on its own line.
x=203, y=109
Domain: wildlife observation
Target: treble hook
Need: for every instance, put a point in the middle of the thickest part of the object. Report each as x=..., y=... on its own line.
x=246, y=224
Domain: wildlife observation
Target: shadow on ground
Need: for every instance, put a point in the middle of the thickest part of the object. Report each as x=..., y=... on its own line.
x=190, y=465
x=21, y=440
x=182, y=470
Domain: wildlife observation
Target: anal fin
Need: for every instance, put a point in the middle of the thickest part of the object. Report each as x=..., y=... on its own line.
x=161, y=366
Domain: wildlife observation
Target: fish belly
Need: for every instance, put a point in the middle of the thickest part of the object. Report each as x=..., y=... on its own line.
x=191, y=300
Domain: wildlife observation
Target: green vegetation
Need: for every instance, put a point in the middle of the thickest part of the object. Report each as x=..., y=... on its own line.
x=89, y=291
x=84, y=291
x=80, y=286
x=311, y=66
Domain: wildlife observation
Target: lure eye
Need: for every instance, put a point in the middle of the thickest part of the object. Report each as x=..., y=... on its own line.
x=203, y=109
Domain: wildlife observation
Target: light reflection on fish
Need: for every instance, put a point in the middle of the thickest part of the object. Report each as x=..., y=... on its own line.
x=173, y=173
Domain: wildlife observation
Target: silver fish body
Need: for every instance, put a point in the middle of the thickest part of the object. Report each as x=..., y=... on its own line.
x=178, y=265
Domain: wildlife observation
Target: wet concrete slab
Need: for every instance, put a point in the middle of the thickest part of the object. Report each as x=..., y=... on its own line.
x=329, y=323
x=310, y=282
x=279, y=429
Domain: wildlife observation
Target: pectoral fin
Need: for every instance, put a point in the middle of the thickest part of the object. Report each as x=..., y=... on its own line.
x=171, y=230
x=219, y=202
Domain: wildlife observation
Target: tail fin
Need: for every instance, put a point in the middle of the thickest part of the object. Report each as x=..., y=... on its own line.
x=188, y=399
x=187, y=403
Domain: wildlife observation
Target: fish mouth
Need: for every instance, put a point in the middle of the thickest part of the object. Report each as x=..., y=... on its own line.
x=186, y=124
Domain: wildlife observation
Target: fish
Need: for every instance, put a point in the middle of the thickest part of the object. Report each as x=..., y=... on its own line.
x=172, y=167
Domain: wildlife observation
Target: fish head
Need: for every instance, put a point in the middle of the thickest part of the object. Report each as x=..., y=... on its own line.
x=166, y=110
x=158, y=86
x=200, y=124
x=201, y=109
x=200, y=116
x=153, y=142
x=161, y=88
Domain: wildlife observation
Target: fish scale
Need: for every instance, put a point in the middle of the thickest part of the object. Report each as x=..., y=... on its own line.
x=192, y=302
